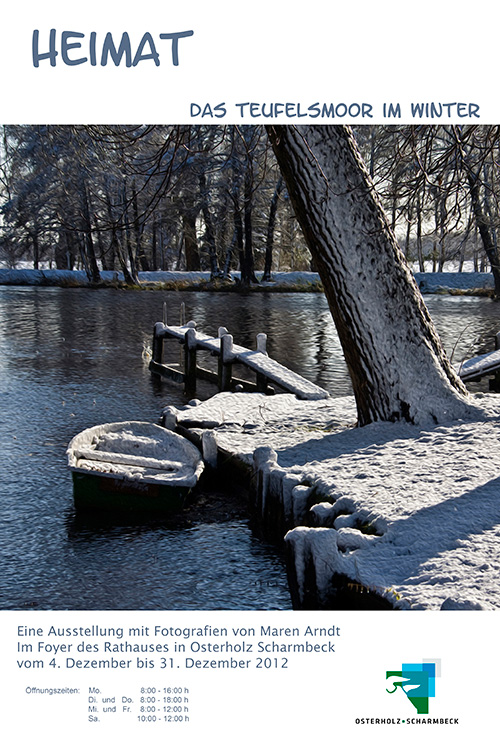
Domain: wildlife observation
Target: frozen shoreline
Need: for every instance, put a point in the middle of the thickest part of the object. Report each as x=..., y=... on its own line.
x=429, y=283
x=410, y=513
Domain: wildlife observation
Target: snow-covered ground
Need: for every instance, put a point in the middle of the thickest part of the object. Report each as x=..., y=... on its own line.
x=431, y=493
x=428, y=282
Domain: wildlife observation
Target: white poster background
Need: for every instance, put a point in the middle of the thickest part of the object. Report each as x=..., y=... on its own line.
x=263, y=52
x=317, y=699
x=260, y=52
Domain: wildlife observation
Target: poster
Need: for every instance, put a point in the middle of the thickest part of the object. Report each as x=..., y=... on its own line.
x=164, y=677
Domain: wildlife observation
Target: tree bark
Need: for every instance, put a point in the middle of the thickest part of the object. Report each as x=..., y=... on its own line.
x=36, y=251
x=154, y=258
x=273, y=209
x=247, y=265
x=191, y=252
x=93, y=268
x=209, y=228
x=397, y=364
x=140, y=252
x=133, y=273
x=420, y=252
x=485, y=229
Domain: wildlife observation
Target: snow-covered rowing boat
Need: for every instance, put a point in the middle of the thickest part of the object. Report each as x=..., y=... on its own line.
x=132, y=466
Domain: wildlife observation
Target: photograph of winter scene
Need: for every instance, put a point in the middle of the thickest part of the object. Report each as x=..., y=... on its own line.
x=250, y=367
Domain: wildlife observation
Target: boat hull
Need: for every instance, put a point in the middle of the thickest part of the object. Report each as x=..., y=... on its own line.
x=109, y=494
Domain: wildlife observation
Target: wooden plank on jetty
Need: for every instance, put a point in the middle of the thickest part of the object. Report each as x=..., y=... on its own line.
x=484, y=364
x=266, y=370
x=281, y=376
x=480, y=366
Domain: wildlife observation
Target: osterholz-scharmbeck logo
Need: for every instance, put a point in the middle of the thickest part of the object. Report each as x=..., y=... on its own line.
x=418, y=683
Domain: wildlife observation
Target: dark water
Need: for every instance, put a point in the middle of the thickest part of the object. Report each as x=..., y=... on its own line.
x=71, y=358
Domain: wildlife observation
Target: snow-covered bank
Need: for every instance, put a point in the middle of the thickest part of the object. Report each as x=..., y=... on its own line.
x=429, y=283
x=432, y=283
x=53, y=277
x=410, y=513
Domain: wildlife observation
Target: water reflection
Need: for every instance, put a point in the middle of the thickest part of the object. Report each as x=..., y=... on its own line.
x=204, y=566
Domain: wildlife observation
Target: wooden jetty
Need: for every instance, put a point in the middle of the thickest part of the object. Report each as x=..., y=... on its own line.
x=268, y=372
x=476, y=368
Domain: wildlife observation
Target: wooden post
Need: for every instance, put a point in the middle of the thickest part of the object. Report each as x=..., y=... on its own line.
x=165, y=314
x=262, y=343
x=494, y=382
x=157, y=354
x=190, y=360
x=225, y=368
x=209, y=448
x=183, y=314
x=261, y=380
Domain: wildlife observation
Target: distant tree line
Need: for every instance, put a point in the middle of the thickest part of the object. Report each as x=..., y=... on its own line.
x=145, y=198
x=440, y=189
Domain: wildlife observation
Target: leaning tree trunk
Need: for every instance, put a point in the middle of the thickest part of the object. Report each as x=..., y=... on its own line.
x=397, y=365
